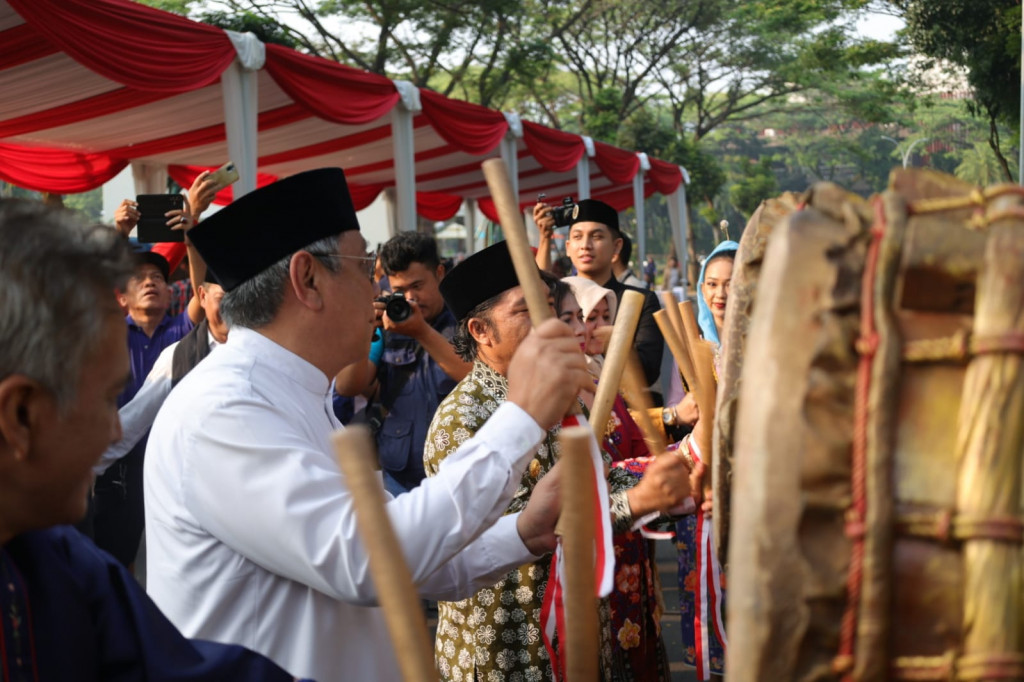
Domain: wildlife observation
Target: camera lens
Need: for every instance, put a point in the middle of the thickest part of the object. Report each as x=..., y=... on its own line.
x=397, y=308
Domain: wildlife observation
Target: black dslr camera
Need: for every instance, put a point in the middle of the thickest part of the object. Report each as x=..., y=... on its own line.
x=562, y=214
x=397, y=308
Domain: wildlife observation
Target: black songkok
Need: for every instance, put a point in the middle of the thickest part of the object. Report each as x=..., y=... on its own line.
x=483, y=275
x=262, y=227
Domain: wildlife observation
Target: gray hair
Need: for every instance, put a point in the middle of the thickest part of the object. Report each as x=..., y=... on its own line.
x=57, y=274
x=255, y=302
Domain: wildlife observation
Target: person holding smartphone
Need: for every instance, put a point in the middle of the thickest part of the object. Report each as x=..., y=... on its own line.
x=115, y=520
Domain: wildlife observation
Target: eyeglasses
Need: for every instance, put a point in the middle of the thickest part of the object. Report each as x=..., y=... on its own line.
x=369, y=260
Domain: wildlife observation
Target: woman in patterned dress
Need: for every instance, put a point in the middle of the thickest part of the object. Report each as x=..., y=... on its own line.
x=637, y=647
x=703, y=642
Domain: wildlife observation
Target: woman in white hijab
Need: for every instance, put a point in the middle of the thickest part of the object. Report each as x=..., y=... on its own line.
x=638, y=649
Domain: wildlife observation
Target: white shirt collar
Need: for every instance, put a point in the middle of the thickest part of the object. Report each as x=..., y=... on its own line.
x=279, y=359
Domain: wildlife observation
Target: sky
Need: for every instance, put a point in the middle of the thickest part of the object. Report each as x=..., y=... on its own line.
x=879, y=26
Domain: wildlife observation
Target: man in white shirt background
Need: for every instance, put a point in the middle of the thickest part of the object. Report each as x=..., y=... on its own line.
x=249, y=523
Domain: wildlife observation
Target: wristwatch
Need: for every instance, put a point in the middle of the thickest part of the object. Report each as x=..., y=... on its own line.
x=668, y=416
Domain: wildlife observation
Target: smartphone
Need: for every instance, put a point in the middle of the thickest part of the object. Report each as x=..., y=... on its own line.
x=152, y=221
x=225, y=175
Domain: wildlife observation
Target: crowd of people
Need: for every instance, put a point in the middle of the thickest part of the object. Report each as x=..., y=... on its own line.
x=208, y=432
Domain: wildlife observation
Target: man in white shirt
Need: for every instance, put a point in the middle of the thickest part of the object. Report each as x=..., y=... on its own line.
x=249, y=524
x=138, y=414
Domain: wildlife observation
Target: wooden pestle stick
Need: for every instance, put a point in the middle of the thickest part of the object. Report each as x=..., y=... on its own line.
x=707, y=384
x=512, y=225
x=707, y=388
x=637, y=398
x=671, y=307
x=691, y=330
x=581, y=639
x=354, y=451
x=619, y=347
x=680, y=353
x=639, y=401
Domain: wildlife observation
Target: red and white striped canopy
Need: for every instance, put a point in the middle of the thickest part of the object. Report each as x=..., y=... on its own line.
x=93, y=85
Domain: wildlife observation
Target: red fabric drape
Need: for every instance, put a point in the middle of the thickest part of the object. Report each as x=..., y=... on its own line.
x=174, y=252
x=487, y=207
x=437, y=206
x=332, y=91
x=22, y=44
x=621, y=199
x=555, y=150
x=664, y=176
x=81, y=110
x=618, y=165
x=186, y=175
x=57, y=171
x=132, y=44
x=363, y=195
x=468, y=127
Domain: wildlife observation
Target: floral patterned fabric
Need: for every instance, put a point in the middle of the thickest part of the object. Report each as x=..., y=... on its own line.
x=638, y=649
x=495, y=636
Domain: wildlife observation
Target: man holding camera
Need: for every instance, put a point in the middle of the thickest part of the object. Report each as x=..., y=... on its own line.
x=418, y=367
x=593, y=242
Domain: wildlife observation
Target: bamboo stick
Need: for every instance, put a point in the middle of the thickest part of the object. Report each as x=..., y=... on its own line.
x=619, y=347
x=354, y=451
x=512, y=225
x=671, y=307
x=639, y=401
x=691, y=330
x=582, y=637
x=680, y=353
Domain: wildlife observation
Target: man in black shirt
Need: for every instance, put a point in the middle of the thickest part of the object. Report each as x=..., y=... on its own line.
x=593, y=240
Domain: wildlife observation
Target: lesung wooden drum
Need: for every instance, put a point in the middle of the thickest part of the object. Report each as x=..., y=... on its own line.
x=875, y=508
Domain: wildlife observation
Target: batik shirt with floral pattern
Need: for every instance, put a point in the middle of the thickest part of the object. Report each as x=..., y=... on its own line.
x=495, y=635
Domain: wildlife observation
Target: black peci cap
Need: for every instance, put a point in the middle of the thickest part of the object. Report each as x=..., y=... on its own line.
x=595, y=211
x=262, y=227
x=483, y=275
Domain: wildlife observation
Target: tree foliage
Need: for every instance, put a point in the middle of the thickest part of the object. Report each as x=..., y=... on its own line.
x=982, y=36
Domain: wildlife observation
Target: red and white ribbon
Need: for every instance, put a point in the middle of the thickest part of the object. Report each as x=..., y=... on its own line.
x=708, y=614
x=552, y=615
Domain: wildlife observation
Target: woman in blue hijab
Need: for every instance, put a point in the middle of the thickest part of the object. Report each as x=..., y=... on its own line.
x=713, y=288
x=701, y=589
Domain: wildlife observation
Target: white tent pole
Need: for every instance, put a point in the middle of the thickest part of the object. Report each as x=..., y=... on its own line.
x=239, y=91
x=510, y=155
x=638, y=207
x=404, y=149
x=241, y=108
x=469, y=216
x=679, y=218
x=583, y=169
x=149, y=178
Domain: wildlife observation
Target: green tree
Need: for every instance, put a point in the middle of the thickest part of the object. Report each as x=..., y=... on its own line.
x=982, y=36
x=89, y=204
x=979, y=166
x=756, y=183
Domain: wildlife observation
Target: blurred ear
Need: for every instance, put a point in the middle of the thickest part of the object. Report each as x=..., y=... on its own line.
x=618, y=247
x=480, y=330
x=439, y=272
x=24, y=403
x=306, y=277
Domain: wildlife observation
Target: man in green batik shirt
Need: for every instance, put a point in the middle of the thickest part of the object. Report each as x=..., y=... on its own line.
x=495, y=636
